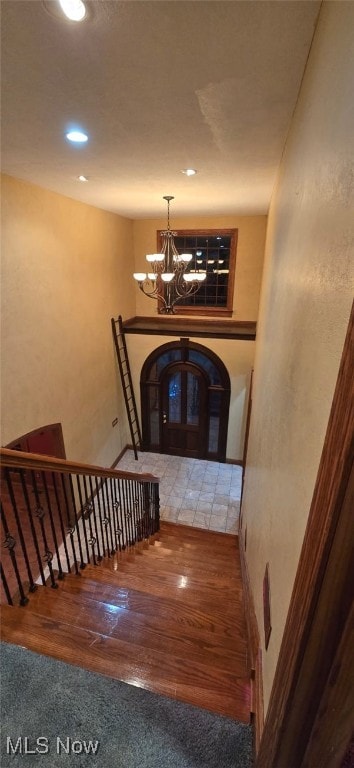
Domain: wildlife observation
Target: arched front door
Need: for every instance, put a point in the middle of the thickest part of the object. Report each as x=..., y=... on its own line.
x=184, y=392
x=185, y=396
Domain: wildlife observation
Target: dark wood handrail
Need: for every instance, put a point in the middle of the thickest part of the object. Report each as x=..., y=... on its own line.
x=35, y=461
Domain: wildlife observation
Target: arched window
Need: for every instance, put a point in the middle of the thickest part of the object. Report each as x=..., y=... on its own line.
x=185, y=398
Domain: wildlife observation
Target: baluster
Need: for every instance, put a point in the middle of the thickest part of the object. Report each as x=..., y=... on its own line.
x=40, y=514
x=52, y=525
x=10, y=544
x=103, y=521
x=122, y=526
x=82, y=517
x=156, y=503
x=61, y=522
x=6, y=586
x=129, y=511
x=116, y=505
x=107, y=512
x=32, y=586
x=114, y=515
x=32, y=525
x=99, y=546
x=70, y=523
x=88, y=509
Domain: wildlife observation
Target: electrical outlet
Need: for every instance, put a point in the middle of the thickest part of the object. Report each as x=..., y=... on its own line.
x=115, y=421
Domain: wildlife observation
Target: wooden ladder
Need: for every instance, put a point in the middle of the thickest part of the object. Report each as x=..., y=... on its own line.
x=127, y=384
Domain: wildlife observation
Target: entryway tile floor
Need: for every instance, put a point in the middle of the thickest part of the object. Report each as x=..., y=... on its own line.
x=196, y=492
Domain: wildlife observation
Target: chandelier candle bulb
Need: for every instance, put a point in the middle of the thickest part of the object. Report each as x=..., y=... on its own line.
x=170, y=281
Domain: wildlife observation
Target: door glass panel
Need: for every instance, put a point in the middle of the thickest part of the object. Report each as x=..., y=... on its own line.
x=214, y=421
x=154, y=415
x=192, y=399
x=174, y=397
x=203, y=361
x=173, y=356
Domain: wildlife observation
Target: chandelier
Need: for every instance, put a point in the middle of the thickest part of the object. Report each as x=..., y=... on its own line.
x=169, y=281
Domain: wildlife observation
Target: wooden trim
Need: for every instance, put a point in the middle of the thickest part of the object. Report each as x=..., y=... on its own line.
x=209, y=309
x=21, y=460
x=207, y=328
x=235, y=462
x=120, y=456
x=254, y=650
x=300, y=678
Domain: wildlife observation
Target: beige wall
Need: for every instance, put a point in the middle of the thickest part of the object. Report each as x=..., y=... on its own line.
x=64, y=275
x=249, y=260
x=238, y=358
x=306, y=300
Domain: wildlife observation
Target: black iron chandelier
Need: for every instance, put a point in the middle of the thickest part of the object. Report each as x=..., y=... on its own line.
x=169, y=281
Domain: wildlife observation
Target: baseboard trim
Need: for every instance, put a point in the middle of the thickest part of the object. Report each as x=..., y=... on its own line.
x=234, y=461
x=254, y=649
x=123, y=451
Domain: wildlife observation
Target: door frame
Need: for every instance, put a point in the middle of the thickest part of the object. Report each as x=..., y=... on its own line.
x=309, y=718
x=147, y=381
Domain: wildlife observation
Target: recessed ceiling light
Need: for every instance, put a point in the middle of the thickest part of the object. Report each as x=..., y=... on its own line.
x=82, y=178
x=189, y=172
x=74, y=9
x=77, y=137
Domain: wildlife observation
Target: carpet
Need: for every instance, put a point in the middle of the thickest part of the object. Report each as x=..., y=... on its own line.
x=57, y=715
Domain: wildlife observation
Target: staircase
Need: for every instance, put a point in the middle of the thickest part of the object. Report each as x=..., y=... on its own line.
x=166, y=614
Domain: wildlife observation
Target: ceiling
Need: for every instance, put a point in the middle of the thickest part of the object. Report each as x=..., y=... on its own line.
x=159, y=86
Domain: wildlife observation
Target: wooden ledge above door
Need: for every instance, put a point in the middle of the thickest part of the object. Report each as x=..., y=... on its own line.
x=209, y=328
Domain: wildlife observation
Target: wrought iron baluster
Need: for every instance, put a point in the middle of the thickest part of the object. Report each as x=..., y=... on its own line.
x=61, y=521
x=107, y=512
x=10, y=544
x=87, y=512
x=6, y=586
x=82, y=517
x=32, y=586
x=123, y=538
x=40, y=514
x=70, y=523
x=92, y=496
x=103, y=521
x=128, y=511
x=156, y=505
x=114, y=515
x=73, y=501
x=52, y=525
x=116, y=505
x=31, y=522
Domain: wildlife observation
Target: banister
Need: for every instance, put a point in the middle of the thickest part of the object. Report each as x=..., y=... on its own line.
x=35, y=461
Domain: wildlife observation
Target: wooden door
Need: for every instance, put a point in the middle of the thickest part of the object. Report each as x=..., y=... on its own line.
x=184, y=395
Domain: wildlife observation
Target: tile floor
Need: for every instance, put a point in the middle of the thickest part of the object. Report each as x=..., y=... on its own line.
x=204, y=494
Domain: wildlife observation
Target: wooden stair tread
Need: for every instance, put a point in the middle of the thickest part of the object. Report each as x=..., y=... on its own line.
x=175, y=611
x=163, y=553
x=151, y=632
x=163, y=673
x=171, y=588
x=172, y=570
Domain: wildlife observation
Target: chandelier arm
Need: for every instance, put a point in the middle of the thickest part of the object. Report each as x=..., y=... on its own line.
x=154, y=294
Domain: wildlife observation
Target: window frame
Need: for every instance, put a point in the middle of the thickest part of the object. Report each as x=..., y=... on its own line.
x=208, y=310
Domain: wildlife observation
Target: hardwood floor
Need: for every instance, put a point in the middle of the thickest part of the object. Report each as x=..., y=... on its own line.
x=168, y=617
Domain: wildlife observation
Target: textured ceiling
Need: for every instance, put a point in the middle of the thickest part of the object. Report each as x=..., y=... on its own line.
x=159, y=86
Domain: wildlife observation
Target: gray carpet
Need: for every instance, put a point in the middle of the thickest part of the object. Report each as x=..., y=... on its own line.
x=45, y=698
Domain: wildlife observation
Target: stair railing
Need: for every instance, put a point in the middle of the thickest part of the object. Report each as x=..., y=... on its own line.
x=57, y=516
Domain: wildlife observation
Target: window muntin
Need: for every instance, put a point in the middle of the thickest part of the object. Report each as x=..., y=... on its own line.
x=213, y=251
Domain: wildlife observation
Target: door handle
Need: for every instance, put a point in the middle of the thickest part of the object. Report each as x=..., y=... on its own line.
x=164, y=417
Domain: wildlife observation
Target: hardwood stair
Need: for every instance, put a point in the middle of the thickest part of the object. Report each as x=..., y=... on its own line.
x=168, y=617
